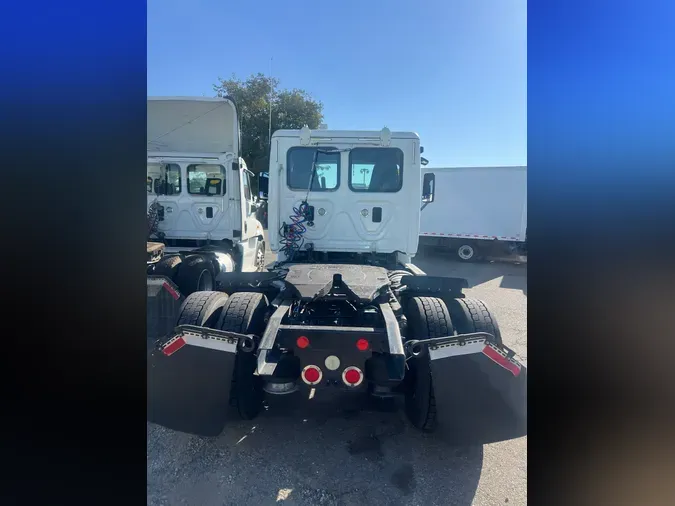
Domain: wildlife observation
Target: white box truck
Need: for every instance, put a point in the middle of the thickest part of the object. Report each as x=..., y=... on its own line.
x=479, y=211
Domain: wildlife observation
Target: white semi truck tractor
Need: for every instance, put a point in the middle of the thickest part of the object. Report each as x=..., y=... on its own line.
x=344, y=314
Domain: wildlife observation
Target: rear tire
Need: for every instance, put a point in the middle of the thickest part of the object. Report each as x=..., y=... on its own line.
x=244, y=313
x=427, y=317
x=202, y=309
x=168, y=266
x=472, y=315
x=467, y=252
x=196, y=274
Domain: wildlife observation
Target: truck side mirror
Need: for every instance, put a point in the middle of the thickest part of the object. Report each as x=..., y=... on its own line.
x=263, y=184
x=428, y=187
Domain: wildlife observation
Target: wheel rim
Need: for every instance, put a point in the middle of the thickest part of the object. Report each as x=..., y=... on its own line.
x=205, y=282
x=465, y=252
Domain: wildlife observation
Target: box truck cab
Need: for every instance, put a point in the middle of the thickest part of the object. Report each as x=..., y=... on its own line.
x=196, y=179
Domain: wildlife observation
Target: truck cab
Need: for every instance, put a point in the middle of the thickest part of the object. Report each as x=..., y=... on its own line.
x=362, y=191
x=196, y=180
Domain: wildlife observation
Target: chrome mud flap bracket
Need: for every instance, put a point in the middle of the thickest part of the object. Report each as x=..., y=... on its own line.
x=480, y=389
x=190, y=376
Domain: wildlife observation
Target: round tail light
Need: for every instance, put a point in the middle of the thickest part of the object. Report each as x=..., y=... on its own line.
x=362, y=344
x=352, y=376
x=311, y=375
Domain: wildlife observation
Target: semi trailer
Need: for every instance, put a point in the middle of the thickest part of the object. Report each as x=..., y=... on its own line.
x=481, y=211
x=343, y=313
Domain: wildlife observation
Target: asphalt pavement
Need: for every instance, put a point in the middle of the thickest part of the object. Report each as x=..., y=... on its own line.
x=343, y=458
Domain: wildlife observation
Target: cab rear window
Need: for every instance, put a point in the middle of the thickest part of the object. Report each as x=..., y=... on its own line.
x=206, y=179
x=376, y=170
x=163, y=179
x=299, y=169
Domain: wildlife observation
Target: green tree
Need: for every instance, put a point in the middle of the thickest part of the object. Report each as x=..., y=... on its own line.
x=290, y=109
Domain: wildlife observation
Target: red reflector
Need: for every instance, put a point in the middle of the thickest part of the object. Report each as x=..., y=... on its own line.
x=171, y=291
x=500, y=359
x=362, y=344
x=174, y=347
x=302, y=342
x=352, y=376
x=312, y=375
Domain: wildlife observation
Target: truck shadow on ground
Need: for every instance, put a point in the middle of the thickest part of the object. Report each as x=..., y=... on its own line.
x=439, y=263
x=329, y=456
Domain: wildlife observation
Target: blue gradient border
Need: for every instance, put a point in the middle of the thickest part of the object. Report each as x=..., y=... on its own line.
x=601, y=160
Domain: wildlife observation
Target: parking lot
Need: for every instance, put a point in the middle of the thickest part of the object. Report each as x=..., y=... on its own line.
x=347, y=458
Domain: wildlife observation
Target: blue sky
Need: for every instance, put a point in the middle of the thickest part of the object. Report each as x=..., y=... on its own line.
x=455, y=71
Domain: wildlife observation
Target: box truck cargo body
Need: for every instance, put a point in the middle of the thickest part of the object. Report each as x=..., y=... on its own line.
x=479, y=211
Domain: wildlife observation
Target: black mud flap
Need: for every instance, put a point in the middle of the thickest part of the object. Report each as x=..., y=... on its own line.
x=163, y=303
x=189, y=381
x=480, y=391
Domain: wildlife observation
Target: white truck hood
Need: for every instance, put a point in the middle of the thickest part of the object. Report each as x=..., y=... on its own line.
x=192, y=125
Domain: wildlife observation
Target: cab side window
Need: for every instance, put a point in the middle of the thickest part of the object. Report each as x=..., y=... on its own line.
x=247, y=186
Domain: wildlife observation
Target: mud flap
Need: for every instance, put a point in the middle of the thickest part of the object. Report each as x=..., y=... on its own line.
x=163, y=303
x=480, y=391
x=189, y=382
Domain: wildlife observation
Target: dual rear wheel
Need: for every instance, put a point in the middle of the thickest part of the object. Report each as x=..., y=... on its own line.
x=430, y=317
x=197, y=273
x=194, y=274
x=242, y=312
